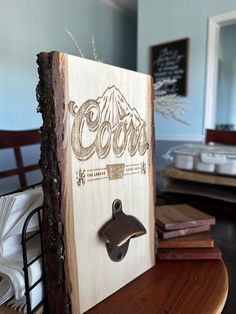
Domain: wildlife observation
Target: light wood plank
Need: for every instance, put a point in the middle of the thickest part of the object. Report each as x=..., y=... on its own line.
x=99, y=123
x=172, y=172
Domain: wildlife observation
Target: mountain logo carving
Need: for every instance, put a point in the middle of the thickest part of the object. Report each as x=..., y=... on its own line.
x=107, y=124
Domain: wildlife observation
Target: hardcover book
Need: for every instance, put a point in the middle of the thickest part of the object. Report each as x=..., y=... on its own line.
x=97, y=164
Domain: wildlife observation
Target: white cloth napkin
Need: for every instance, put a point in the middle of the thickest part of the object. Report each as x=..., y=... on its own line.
x=11, y=269
x=6, y=289
x=35, y=272
x=13, y=211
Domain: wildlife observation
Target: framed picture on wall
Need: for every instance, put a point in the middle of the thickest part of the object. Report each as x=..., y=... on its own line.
x=169, y=63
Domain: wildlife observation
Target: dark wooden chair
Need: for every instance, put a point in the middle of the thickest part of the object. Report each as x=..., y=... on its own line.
x=222, y=137
x=16, y=140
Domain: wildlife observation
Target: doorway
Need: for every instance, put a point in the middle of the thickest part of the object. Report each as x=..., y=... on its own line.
x=215, y=26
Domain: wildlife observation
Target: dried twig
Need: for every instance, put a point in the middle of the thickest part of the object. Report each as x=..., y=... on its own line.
x=75, y=43
x=95, y=55
x=169, y=106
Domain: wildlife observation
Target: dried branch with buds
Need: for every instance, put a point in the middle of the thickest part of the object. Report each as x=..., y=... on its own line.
x=170, y=106
x=95, y=55
x=75, y=43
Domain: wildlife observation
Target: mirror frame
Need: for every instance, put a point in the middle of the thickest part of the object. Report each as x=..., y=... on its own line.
x=214, y=25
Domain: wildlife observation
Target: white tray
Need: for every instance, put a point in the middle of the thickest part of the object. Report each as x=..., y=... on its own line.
x=207, y=158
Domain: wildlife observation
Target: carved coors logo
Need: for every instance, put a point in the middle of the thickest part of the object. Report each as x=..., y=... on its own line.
x=107, y=124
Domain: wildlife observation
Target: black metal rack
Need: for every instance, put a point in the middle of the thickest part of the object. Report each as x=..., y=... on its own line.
x=29, y=287
x=26, y=263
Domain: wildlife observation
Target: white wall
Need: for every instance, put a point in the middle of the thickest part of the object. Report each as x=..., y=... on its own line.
x=28, y=27
x=162, y=21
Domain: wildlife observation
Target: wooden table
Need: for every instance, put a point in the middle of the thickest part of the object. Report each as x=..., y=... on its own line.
x=172, y=287
x=169, y=288
x=6, y=310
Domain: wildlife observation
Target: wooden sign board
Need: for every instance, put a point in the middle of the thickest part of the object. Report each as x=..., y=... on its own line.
x=97, y=146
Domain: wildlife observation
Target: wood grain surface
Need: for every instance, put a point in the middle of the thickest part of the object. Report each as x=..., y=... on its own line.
x=6, y=310
x=196, y=287
x=194, y=176
x=198, y=240
x=199, y=189
x=189, y=253
x=97, y=147
x=181, y=216
x=163, y=234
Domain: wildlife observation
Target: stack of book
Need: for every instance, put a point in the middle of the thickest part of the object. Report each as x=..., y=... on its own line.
x=183, y=233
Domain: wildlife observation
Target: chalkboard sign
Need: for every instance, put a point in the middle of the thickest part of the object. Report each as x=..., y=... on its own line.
x=169, y=62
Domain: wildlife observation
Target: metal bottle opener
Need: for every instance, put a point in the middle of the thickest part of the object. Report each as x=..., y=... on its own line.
x=118, y=231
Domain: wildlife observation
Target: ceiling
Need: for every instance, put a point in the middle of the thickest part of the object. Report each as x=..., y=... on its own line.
x=129, y=7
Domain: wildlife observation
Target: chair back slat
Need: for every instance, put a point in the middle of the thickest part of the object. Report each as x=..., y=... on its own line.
x=16, y=140
x=221, y=137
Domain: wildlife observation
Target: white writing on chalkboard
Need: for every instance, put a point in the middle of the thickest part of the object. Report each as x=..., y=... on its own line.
x=169, y=63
